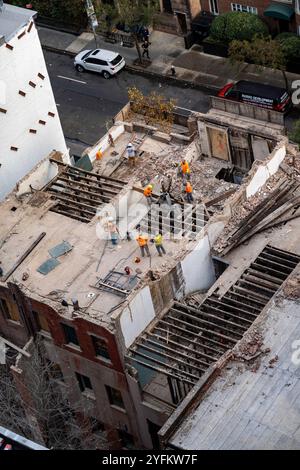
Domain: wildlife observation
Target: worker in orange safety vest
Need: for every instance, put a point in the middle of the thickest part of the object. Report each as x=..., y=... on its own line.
x=99, y=155
x=185, y=170
x=148, y=193
x=143, y=244
x=189, y=192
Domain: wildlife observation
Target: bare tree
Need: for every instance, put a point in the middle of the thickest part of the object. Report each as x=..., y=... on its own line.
x=42, y=409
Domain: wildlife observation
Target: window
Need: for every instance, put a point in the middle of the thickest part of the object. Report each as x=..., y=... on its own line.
x=100, y=347
x=248, y=9
x=214, y=7
x=70, y=335
x=116, y=60
x=41, y=322
x=298, y=11
x=96, y=61
x=83, y=382
x=9, y=310
x=126, y=439
x=114, y=397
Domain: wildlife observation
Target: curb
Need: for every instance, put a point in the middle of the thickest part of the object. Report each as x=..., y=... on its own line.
x=146, y=73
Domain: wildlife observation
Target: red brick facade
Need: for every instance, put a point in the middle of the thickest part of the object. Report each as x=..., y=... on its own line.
x=274, y=25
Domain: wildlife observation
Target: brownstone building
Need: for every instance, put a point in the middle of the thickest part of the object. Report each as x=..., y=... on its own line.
x=281, y=16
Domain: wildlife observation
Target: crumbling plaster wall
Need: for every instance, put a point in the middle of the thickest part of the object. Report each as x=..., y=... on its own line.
x=264, y=171
x=104, y=143
x=197, y=266
x=137, y=316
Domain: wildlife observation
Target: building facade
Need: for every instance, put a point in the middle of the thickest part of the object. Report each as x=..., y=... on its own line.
x=180, y=13
x=30, y=127
x=281, y=16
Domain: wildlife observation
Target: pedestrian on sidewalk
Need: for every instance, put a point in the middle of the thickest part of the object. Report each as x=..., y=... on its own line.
x=158, y=240
x=189, y=192
x=131, y=154
x=148, y=191
x=143, y=244
x=145, y=46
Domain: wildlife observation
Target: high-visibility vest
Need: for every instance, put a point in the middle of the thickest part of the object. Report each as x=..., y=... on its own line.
x=188, y=188
x=158, y=239
x=185, y=168
x=99, y=155
x=147, y=191
x=142, y=241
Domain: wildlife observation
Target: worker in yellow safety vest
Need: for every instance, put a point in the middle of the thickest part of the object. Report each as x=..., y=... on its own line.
x=158, y=240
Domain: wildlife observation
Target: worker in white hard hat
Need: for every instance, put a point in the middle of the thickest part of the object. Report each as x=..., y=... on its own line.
x=131, y=154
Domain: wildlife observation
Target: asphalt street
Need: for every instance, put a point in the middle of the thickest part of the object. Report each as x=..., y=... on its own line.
x=87, y=102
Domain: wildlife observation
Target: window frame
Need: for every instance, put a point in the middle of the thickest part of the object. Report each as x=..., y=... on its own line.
x=116, y=403
x=95, y=338
x=9, y=313
x=65, y=328
x=214, y=7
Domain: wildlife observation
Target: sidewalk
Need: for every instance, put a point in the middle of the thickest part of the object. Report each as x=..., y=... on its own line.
x=193, y=67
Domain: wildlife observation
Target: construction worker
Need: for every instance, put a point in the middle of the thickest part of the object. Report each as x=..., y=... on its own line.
x=189, y=192
x=185, y=170
x=158, y=240
x=148, y=193
x=113, y=231
x=99, y=155
x=131, y=154
x=143, y=244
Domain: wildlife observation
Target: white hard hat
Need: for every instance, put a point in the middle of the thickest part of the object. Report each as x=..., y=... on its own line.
x=129, y=145
x=110, y=219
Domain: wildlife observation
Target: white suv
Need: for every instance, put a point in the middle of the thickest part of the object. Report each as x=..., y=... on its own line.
x=107, y=63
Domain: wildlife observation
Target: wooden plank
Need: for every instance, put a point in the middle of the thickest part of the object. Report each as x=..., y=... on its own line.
x=23, y=257
x=92, y=183
x=220, y=198
x=12, y=345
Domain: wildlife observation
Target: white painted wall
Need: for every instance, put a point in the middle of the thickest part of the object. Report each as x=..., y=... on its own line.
x=39, y=177
x=137, y=316
x=104, y=144
x=264, y=171
x=197, y=267
x=17, y=68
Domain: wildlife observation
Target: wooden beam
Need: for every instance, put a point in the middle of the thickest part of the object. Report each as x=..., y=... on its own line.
x=167, y=366
x=97, y=197
x=23, y=257
x=97, y=188
x=68, y=214
x=12, y=345
x=92, y=181
x=108, y=178
x=188, y=340
x=159, y=370
x=80, y=206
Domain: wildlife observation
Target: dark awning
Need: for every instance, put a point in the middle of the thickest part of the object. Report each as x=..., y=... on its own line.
x=279, y=11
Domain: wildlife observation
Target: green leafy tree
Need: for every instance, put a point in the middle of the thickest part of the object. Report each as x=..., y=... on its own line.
x=294, y=135
x=290, y=44
x=132, y=13
x=69, y=11
x=261, y=51
x=237, y=25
